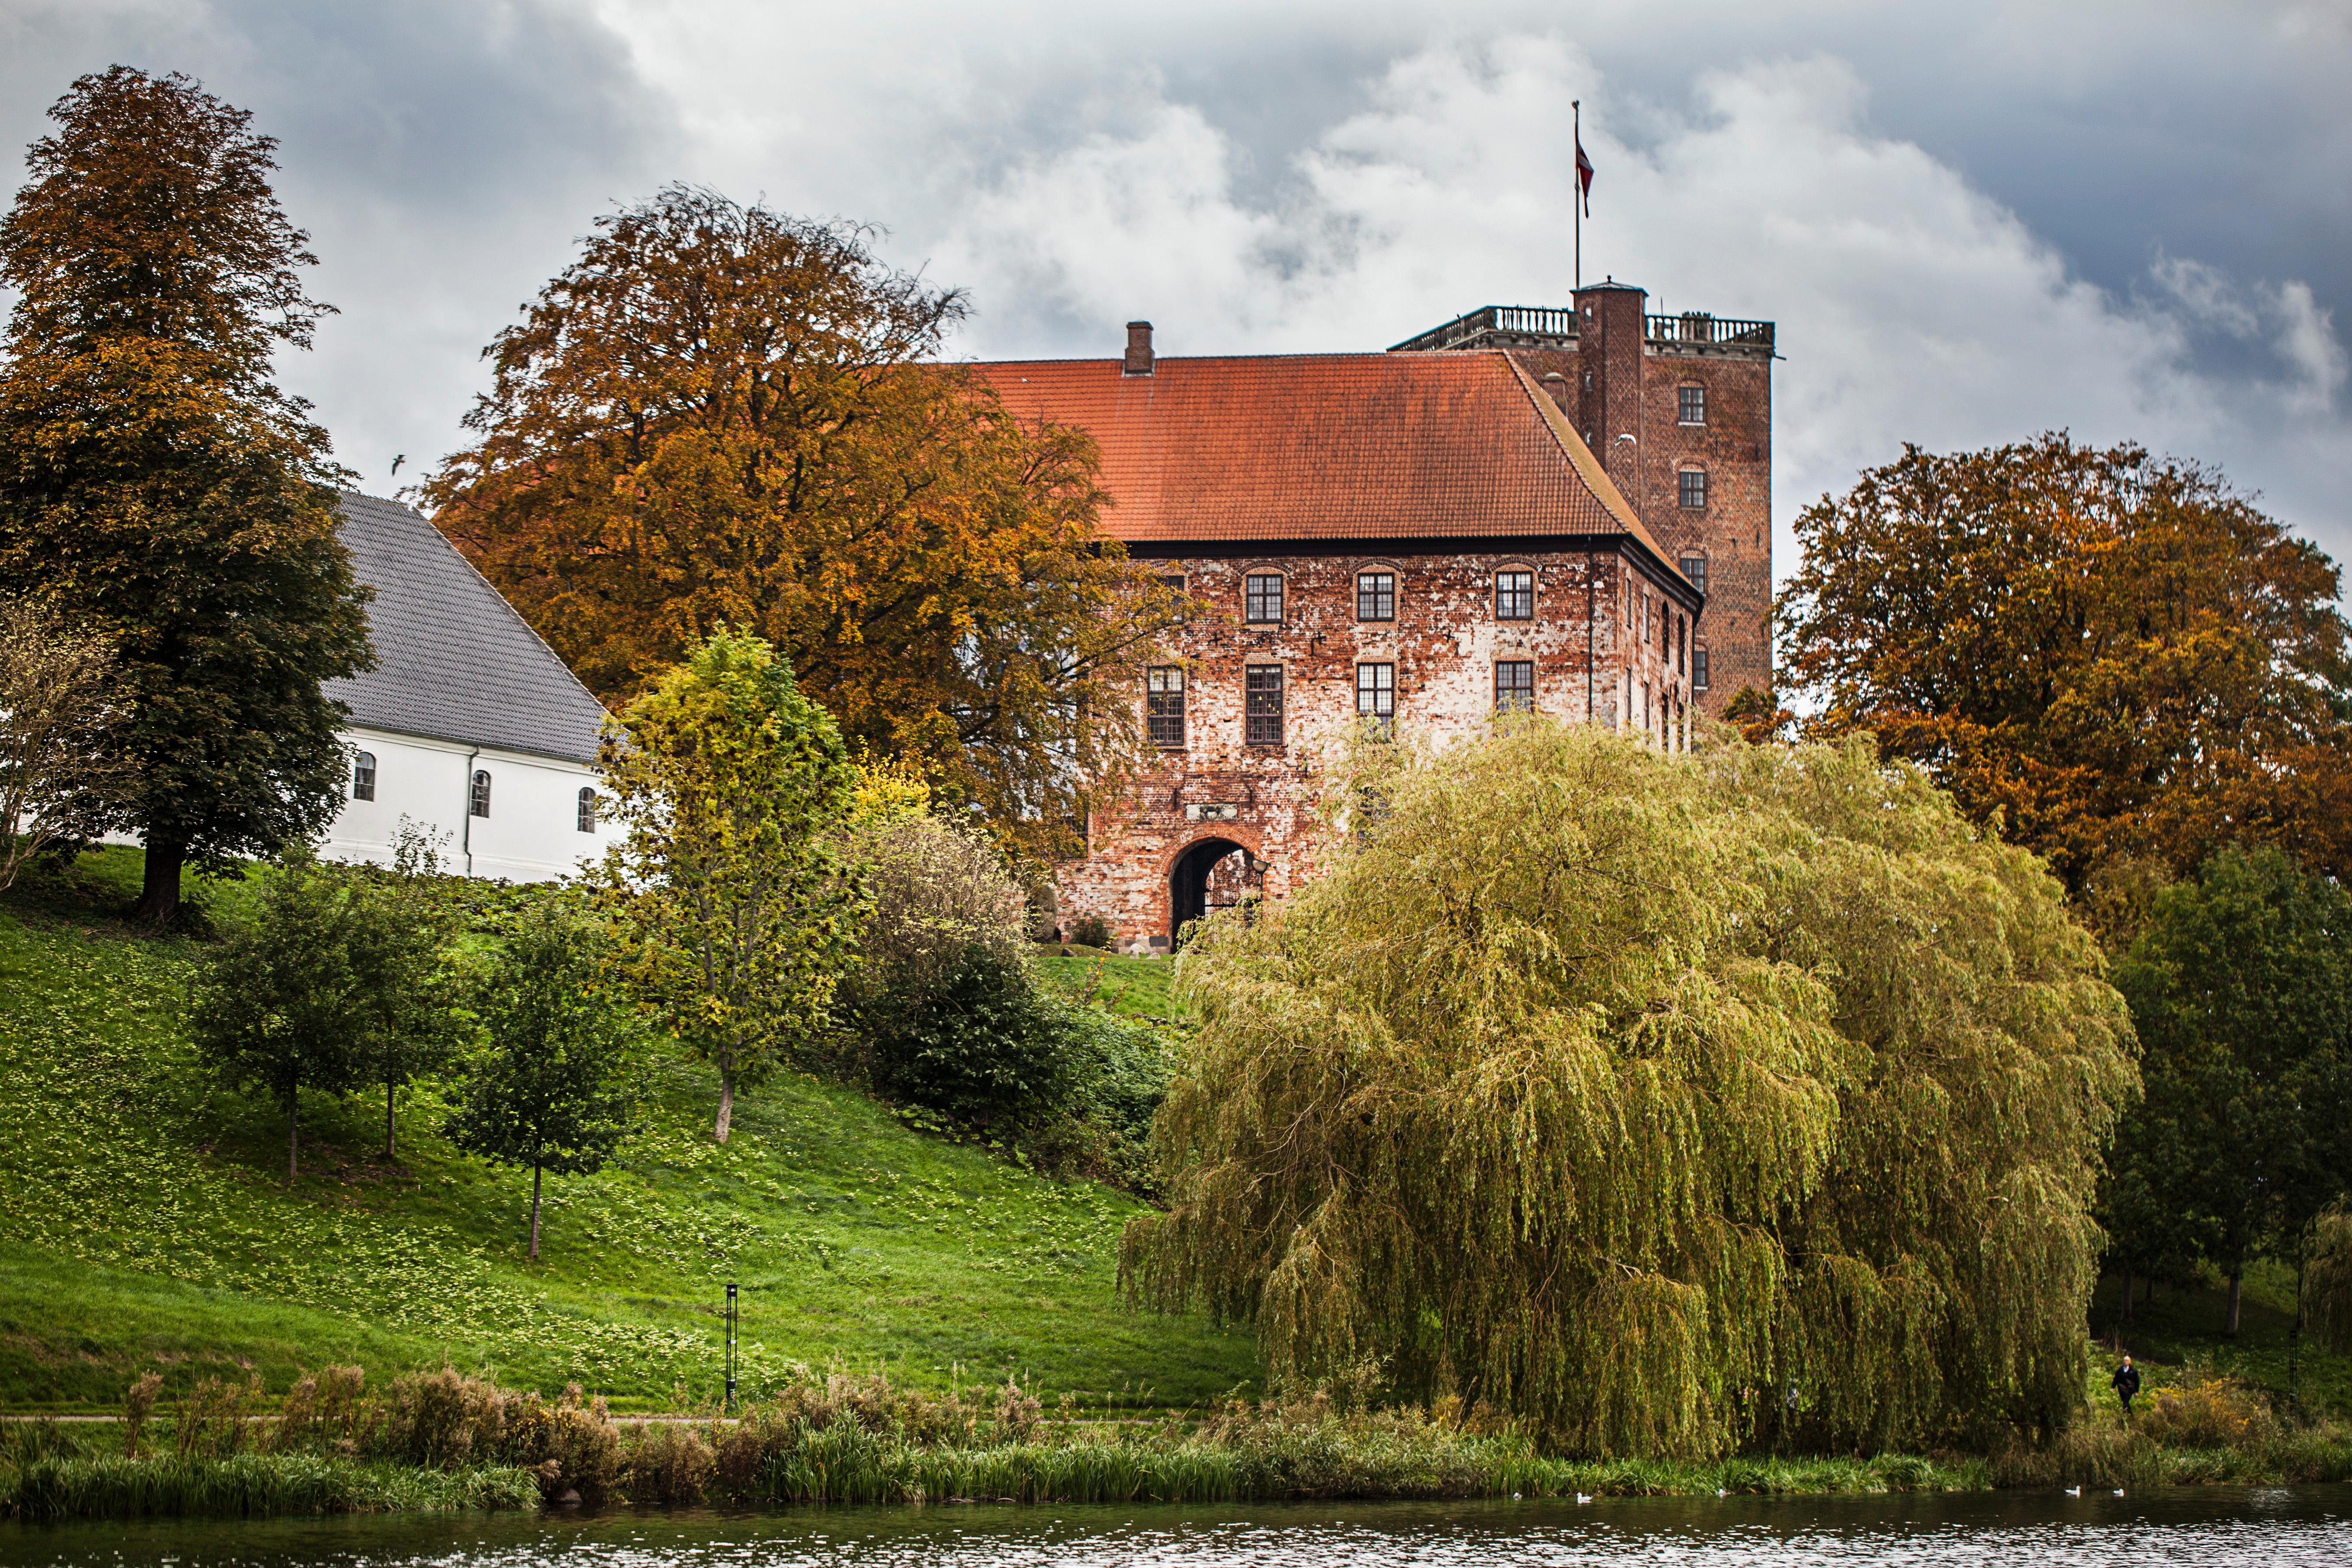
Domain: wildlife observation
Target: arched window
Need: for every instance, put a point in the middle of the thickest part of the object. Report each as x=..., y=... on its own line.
x=481, y=792
x=587, y=811
x=364, y=776
x=1691, y=489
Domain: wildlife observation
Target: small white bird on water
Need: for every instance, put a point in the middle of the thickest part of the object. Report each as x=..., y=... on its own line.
x=2119, y=1491
x=2073, y=1492
x=1720, y=1492
x=1583, y=1498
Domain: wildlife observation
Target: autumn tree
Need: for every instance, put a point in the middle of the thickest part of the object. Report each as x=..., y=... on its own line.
x=742, y=911
x=156, y=484
x=1669, y=1103
x=2241, y=989
x=61, y=782
x=2113, y=656
x=552, y=1089
x=722, y=415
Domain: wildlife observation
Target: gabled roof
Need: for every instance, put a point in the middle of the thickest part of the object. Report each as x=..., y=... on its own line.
x=453, y=661
x=1307, y=447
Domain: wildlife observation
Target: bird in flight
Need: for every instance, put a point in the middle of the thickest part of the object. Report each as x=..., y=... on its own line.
x=396, y=464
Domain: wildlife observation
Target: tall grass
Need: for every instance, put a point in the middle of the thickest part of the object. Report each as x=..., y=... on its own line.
x=112, y=1486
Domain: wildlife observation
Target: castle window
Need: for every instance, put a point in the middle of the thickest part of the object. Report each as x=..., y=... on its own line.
x=1681, y=641
x=364, y=776
x=1173, y=583
x=1514, y=686
x=1515, y=596
x=1263, y=705
x=1262, y=598
x=1698, y=669
x=1376, y=595
x=1690, y=405
x=1692, y=485
x=1376, y=694
x=1163, y=706
x=587, y=817
x=1694, y=568
x=480, y=805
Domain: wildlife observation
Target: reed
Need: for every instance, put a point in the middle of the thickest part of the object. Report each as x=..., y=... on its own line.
x=112, y=1486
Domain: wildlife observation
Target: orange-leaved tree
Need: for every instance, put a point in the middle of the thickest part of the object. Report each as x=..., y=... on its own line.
x=2119, y=658
x=724, y=415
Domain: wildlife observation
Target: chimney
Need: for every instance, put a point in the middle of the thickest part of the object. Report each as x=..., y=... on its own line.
x=1139, y=349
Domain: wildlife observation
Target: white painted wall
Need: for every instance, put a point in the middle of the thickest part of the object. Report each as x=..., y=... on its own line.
x=532, y=833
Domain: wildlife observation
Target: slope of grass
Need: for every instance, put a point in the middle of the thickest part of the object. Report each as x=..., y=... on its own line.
x=2183, y=1328
x=1140, y=987
x=145, y=1220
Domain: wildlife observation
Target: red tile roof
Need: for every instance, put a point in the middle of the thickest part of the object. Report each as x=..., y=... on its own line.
x=1305, y=447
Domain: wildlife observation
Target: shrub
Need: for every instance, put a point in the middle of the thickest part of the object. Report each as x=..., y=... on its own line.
x=668, y=1463
x=216, y=1418
x=2208, y=1412
x=940, y=892
x=1090, y=930
x=986, y=1046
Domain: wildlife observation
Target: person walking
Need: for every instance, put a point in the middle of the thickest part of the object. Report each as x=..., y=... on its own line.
x=2127, y=1384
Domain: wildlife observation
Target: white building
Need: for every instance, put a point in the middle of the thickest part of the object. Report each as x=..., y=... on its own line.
x=468, y=726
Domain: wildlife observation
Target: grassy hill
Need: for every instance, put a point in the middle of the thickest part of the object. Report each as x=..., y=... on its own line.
x=145, y=1220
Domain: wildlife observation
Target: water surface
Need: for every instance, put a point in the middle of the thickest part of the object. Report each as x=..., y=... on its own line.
x=2214, y=1528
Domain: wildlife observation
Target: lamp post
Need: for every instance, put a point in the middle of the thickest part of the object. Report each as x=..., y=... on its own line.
x=734, y=1321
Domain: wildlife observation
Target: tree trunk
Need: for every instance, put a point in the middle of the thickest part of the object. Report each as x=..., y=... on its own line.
x=159, y=889
x=534, y=1214
x=2149, y=1298
x=293, y=1134
x=2126, y=1317
x=387, y=1119
x=726, y=1105
x=2234, y=1306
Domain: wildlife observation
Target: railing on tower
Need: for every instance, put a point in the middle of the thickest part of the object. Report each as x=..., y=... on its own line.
x=1491, y=321
x=1698, y=327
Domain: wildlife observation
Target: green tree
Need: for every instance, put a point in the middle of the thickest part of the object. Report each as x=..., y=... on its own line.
x=1639, y=1094
x=2241, y=989
x=554, y=1090
x=278, y=1005
x=155, y=484
x=398, y=950
x=743, y=912
x=724, y=415
x=2112, y=657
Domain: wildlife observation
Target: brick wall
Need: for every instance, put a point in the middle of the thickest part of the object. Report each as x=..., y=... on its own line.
x=1586, y=640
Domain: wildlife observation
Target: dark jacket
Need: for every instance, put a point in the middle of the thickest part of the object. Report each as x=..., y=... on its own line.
x=2127, y=1381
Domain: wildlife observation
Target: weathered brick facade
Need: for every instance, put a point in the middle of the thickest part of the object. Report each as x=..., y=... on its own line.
x=1620, y=372
x=1420, y=537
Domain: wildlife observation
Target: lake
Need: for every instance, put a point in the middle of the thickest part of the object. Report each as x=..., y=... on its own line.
x=2214, y=1528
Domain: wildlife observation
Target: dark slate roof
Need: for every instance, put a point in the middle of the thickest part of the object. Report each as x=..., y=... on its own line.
x=453, y=661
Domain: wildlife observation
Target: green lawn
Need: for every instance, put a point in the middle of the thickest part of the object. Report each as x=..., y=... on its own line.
x=1143, y=987
x=145, y=1221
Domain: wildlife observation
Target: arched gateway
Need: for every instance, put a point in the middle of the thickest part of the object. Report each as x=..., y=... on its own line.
x=1205, y=879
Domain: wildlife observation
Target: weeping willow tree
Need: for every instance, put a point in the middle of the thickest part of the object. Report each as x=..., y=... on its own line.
x=1671, y=1104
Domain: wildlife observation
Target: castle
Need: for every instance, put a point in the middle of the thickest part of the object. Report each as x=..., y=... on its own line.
x=1562, y=510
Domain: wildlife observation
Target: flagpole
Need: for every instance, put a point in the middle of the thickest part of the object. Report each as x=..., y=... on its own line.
x=1576, y=188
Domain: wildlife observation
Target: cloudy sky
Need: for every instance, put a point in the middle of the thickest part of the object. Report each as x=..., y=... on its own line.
x=1972, y=221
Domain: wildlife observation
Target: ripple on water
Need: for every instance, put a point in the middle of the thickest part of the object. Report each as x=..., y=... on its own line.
x=2218, y=1528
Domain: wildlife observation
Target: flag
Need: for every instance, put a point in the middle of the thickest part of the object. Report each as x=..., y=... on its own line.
x=1584, y=177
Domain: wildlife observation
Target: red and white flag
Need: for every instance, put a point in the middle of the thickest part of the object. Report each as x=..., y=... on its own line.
x=1584, y=177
